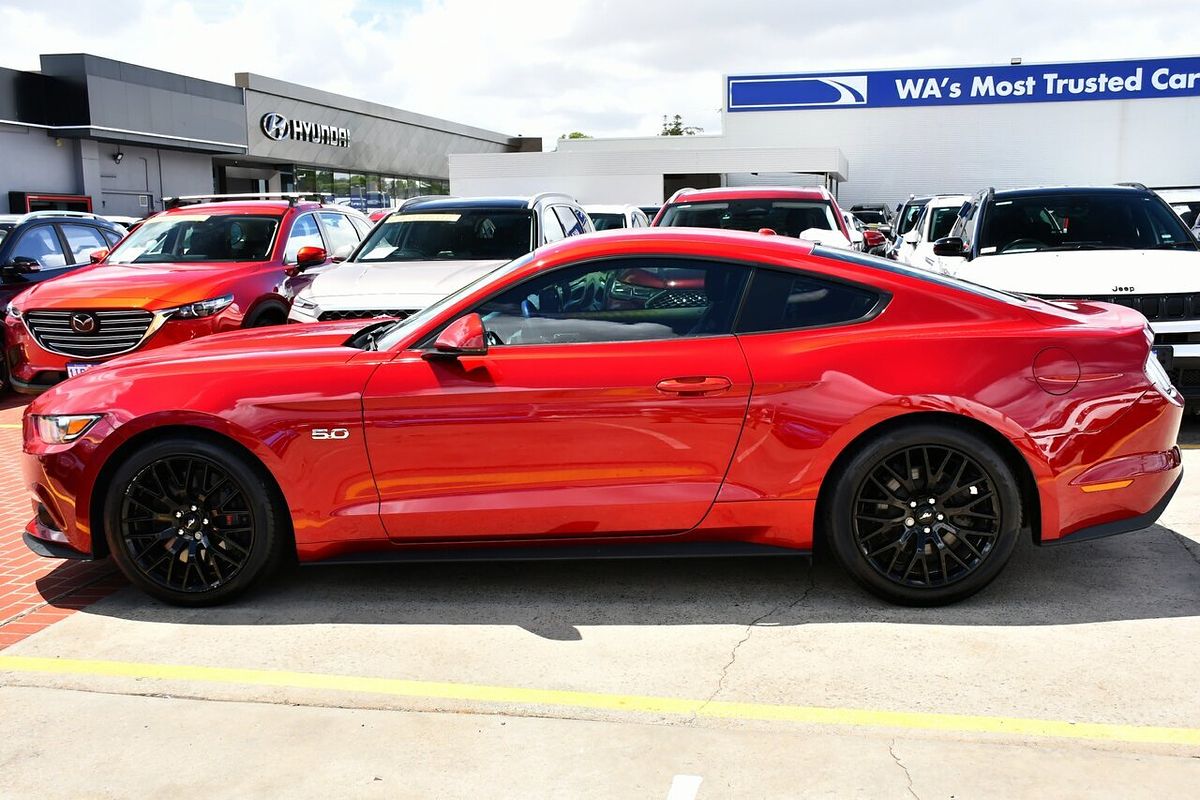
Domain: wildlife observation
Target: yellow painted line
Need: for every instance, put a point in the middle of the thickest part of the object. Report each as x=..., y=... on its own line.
x=16, y=425
x=1189, y=447
x=593, y=701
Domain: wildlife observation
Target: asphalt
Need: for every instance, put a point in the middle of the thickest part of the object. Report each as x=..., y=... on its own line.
x=1073, y=675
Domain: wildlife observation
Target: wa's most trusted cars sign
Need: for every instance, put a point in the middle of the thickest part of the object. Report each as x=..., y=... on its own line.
x=1027, y=83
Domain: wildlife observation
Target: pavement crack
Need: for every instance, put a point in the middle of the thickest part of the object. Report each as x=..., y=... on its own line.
x=900, y=764
x=1186, y=544
x=733, y=654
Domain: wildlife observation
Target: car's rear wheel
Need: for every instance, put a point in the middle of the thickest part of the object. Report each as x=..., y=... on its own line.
x=925, y=514
x=193, y=522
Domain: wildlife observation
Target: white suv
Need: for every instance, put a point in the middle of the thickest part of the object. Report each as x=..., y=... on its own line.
x=936, y=219
x=429, y=249
x=1118, y=244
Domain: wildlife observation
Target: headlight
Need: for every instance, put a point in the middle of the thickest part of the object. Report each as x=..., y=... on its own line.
x=203, y=308
x=59, y=429
x=1158, y=376
x=13, y=311
x=303, y=303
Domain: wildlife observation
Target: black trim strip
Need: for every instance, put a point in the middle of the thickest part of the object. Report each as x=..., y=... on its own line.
x=47, y=549
x=1119, y=526
x=568, y=552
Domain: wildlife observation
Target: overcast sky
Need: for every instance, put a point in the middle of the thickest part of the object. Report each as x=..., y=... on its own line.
x=605, y=67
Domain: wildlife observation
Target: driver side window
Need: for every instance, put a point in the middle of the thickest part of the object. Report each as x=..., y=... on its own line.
x=621, y=300
x=304, y=234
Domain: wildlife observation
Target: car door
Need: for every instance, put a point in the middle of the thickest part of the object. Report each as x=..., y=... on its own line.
x=609, y=402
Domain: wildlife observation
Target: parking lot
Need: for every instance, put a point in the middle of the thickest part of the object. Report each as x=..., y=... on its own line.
x=1073, y=674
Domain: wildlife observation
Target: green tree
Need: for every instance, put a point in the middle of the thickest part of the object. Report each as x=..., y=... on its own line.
x=575, y=135
x=673, y=126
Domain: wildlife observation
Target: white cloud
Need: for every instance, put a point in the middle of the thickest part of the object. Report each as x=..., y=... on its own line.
x=608, y=67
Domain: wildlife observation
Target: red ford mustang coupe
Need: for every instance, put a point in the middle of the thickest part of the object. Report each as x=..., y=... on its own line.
x=649, y=392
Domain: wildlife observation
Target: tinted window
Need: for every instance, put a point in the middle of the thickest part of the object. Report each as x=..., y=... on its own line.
x=40, y=244
x=908, y=217
x=625, y=300
x=943, y=222
x=340, y=230
x=305, y=233
x=111, y=236
x=198, y=237
x=785, y=217
x=82, y=240
x=469, y=234
x=1080, y=221
x=608, y=222
x=552, y=229
x=781, y=301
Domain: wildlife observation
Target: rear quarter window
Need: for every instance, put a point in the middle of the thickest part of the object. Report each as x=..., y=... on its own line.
x=779, y=301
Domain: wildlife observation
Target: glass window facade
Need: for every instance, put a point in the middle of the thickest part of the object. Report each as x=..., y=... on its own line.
x=363, y=191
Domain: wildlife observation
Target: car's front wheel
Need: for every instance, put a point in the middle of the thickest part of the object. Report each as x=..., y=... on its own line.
x=925, y=514
x=193, y=522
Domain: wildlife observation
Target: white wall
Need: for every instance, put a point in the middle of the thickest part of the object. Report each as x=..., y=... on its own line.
x=31, y=161
x=948, y=149
x=642, y=190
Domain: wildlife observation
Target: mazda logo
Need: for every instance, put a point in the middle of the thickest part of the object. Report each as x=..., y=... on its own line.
x=83, y=323
x=275, y=126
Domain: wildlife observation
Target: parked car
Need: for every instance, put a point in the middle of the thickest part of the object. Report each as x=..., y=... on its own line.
x=431, y=248
x=862, y=238
x=1118, y=244
x=41, y=245
x=876, y=216
x=651, y=212
x=906, y=216
x=935, y=221
x=809, y=213
x=207, y=264
x=676, y=391
x=609, y=217
x=380, y=213
x=1185, y=202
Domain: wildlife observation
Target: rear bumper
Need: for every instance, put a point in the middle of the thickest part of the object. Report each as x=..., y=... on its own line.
x=1117, y=527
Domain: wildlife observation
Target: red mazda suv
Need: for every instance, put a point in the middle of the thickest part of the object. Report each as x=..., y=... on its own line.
x=641, y=392
x=205, y=265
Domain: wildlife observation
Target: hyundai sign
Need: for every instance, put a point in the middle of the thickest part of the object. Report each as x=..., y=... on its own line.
x=1032, y=83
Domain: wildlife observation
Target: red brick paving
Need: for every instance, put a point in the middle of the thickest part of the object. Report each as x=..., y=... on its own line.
x=35, y=592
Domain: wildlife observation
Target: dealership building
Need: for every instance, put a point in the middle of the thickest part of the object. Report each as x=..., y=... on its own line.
x=882, y=135
x=89, y=133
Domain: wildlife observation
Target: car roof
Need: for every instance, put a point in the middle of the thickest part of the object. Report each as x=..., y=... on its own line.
x=750, y=193
x=1033, y=191
x=608, y=209
x=948, y=200
x=471, y=202
x=241, y=207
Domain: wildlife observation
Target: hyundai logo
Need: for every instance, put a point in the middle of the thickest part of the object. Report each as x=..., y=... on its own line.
x=275, y=126
x=83, y=323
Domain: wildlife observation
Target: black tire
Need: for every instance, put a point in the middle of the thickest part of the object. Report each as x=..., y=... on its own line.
x=191, y=507
x=947, y=550
x=267, y=315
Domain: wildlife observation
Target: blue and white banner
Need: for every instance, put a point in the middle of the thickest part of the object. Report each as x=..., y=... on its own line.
x=1022, y=83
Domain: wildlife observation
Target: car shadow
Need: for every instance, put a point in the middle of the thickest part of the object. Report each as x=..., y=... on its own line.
x=1150, y=574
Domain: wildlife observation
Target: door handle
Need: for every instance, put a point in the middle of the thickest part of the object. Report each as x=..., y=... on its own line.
x=694, y=385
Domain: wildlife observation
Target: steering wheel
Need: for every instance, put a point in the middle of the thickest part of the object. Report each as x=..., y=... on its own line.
x=1023, y=242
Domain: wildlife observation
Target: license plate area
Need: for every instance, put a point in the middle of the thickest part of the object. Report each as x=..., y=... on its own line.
x=77, y=368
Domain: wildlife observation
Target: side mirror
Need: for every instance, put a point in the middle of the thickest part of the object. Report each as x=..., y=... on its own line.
x=97, y=256
x=767, y=232
x=951, y=246
x=873, y=239
x=341, y=252
x=463, y=337
x=310, y=257
x=23, y=265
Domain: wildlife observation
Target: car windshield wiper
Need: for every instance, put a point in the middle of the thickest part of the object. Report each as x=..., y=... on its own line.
x=1088, y=246
x=1173, y=245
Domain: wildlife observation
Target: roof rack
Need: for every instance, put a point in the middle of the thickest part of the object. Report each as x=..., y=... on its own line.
x=1134, y=185
x=192, y=199
x=52, y=213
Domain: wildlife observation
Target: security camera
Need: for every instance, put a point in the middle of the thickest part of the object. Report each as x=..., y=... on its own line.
x=118, y=156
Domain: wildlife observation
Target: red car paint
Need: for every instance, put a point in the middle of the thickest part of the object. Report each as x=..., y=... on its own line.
x=570, y=443
x=255, y=285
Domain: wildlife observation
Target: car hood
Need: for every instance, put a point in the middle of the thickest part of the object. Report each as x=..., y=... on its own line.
x=395, y=284
x=150, y=286
x=1086, y=272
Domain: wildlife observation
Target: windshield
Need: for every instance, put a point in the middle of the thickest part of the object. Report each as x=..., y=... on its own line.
x=469, y=234
x=607, y=222
x=401, y=327
x=871, y=217
x=943, y=221
x=785, y=217
x=1081, y=221
x=908, y=217
x=184, y=238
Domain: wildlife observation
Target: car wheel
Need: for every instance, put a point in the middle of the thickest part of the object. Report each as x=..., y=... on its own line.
x=264, y=317
x=192, y=522
x=925, y=515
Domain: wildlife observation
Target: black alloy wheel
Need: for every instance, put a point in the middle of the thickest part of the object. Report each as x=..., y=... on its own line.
x=191, y=522
x=925, y=515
